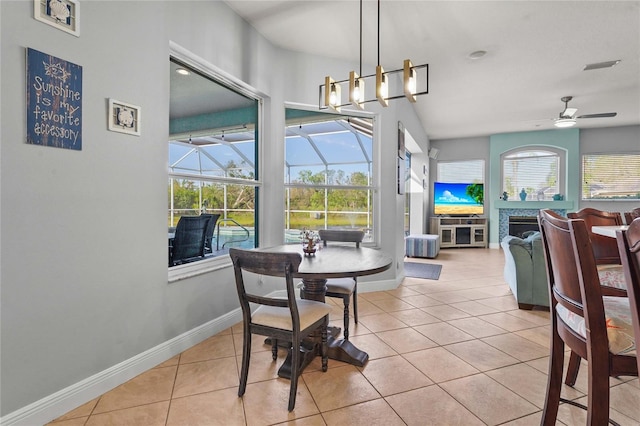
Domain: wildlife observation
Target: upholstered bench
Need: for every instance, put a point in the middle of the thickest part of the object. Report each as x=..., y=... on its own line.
x=422, y=245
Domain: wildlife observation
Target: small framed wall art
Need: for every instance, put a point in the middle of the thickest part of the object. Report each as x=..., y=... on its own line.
x=124, y=117
x=62, y=14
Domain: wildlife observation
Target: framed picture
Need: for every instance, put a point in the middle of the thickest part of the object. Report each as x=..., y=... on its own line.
x=62, y=14
x=124, y=118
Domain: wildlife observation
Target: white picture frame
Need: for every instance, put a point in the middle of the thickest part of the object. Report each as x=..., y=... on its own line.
x=61, y=14
x=124, y=117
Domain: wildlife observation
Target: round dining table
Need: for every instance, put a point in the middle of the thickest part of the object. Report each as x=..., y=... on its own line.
x=332, y=261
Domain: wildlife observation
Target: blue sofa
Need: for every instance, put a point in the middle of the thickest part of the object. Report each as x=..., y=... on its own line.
x=524, y=270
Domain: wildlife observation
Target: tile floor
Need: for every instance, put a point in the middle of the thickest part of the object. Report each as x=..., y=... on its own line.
x=456, y=351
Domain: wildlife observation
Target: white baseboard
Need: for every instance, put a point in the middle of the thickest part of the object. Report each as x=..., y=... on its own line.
x=65, y=400
x=71, y=397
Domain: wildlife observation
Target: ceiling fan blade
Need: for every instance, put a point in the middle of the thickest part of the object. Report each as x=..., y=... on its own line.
x=601, y=115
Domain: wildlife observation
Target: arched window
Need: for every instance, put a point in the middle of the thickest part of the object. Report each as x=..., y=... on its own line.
x=533, y=173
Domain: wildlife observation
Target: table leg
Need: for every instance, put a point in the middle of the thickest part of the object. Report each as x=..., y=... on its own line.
x=338, y=349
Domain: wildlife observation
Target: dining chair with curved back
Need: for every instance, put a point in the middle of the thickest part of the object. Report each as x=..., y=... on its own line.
x=608, y=263
x=189, y=239
x=605, y=249
x=594, y=326
x=631, y=215
x=208, y=234
x=343, y=288
x=282, y=319
x=629, y=247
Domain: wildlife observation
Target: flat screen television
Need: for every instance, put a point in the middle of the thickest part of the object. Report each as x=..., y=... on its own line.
x=458, y=199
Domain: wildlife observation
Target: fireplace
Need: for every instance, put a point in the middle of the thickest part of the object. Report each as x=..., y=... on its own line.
x=519, y=225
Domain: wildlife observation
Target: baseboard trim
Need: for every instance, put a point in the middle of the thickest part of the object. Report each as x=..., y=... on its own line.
x=65, y=400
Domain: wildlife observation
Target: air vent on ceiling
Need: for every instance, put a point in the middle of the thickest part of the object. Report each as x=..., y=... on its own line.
x=599, y=65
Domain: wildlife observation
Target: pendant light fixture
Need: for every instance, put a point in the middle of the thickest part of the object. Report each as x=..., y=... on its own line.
x=412, y=77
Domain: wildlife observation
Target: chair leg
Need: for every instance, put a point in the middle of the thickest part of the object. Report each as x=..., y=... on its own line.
x=345, y=300
x=598, y=390
x=572, y=369
x=274, y=348
x=323, y=347
x=355, y=303
x=554, y=380
x=295, y=365
x=246, y=354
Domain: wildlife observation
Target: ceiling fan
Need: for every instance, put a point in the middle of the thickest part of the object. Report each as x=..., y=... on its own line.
x=567, y=117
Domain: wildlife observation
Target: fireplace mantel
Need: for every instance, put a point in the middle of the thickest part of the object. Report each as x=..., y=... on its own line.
x=537, y=205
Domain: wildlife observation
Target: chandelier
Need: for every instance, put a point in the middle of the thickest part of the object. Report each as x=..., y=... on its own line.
x=388, y=85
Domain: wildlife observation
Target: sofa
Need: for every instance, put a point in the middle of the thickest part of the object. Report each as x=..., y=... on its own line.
x=525, y=271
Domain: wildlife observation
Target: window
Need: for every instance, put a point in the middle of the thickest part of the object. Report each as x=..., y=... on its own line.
x=328, y=173
x=213, y=153
x=611, y=177
x=471, y=171
x=539, y=172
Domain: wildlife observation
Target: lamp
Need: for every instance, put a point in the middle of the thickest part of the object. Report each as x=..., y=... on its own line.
x=414, y=80
x=565, y=122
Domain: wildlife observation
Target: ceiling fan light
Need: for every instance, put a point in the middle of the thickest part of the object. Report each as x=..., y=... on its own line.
x=565, y=122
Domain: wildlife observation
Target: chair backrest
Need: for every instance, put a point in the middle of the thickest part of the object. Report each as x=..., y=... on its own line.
x=213, y=219
x=271, y=264
x=189, y=238
x=605, y=248
x=572, y=272
x=629, y=246
x=633, y=214
x=341, y=235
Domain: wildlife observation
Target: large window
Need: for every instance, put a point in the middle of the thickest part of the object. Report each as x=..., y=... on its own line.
x=328, y=173
x=213, y=153
x=471, y=171
x=536, y=173
x=611, y=177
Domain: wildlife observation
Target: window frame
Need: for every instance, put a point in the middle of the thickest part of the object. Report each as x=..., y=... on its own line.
x=375, y=168
x=188, y=270
x=561, y=173
x=450, y=162
x=583, y=181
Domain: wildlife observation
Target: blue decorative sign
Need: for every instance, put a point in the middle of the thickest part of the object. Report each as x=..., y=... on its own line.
x=54, y=101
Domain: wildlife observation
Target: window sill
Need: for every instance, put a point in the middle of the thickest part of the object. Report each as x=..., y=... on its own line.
x=201, y=267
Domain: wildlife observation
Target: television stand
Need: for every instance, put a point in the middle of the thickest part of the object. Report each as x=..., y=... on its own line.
x=460, y=231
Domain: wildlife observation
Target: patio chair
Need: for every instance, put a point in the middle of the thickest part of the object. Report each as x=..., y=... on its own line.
x=188, y=243
x=211, y=226
x=594, y=326
x=285, y=319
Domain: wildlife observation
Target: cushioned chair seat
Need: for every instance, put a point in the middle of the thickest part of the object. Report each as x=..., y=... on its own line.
x=341, y=285
x=612, y=276
x=308, y=311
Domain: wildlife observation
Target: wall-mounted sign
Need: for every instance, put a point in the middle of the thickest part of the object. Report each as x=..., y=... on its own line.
x=54, y=101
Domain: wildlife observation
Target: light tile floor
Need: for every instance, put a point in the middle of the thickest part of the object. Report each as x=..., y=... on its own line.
x=456, y=351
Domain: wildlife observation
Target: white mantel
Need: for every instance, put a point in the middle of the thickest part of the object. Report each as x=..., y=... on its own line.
x=536, y=205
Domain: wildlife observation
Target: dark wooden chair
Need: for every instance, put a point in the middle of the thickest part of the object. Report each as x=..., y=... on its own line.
x=629, y=247
x=343, y=288
x=208, y=233
x=188, y=243
x=633, y=214
x=605, y=249
x=608, y=263
x=286, y=320
x=580, y=316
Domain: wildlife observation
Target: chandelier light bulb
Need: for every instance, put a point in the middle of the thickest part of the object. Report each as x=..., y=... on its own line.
x=333, y=97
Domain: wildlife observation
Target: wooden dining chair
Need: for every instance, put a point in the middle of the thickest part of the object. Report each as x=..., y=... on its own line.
x=608, y=263
x=631, y=215
x=343, y=288
x=629, y=247
x=282, y=319
x=189, y=240
x=594, y=326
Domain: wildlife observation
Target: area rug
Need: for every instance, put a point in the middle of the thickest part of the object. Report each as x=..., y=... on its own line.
x=429, y=271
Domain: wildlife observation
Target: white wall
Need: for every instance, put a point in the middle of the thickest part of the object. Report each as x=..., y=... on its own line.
x=83, y=246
